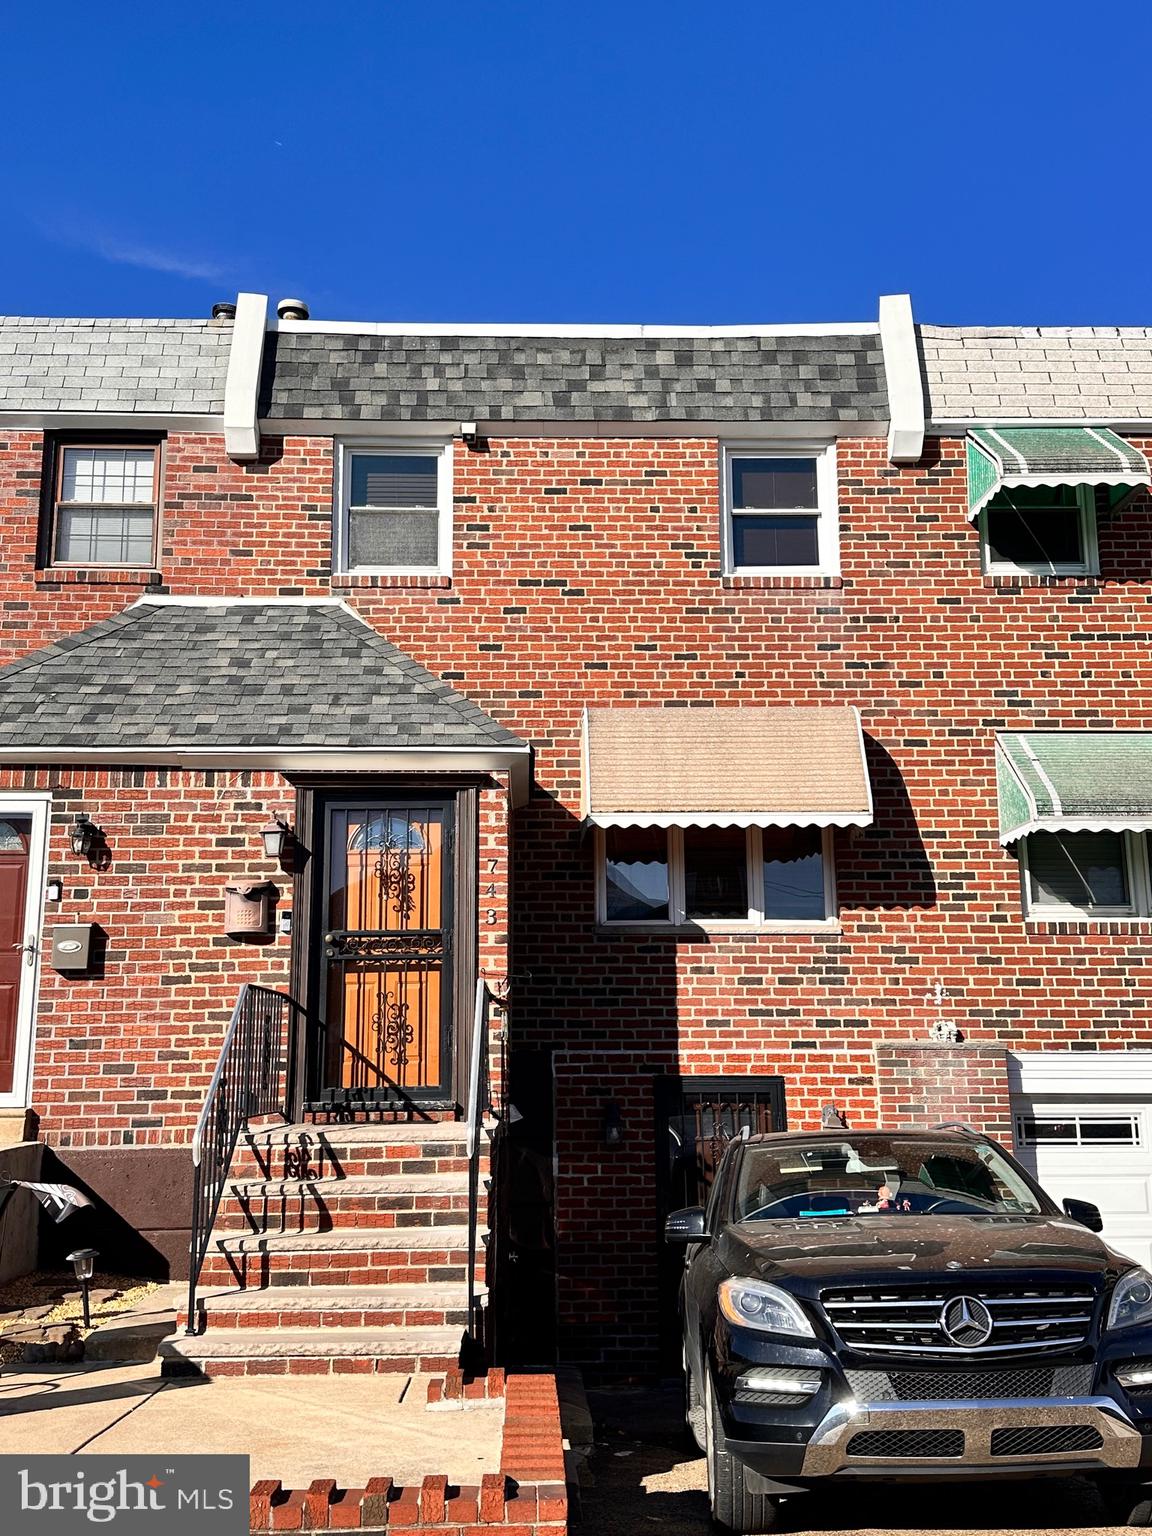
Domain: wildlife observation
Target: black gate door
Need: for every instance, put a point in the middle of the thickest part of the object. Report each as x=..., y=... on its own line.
x=696, y=1118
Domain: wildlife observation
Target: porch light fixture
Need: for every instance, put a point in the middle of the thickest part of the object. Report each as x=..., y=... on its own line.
x=86, y=837
x=612, y=1125
x=277, y=838
x=83, y=1262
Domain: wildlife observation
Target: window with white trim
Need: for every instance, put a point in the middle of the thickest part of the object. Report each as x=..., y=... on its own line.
x=395, y=510
x=1085, y=874
x=1053, y=1128
x=104, y=504
x=714, y=877
x=780, y=514
x=1041, y=530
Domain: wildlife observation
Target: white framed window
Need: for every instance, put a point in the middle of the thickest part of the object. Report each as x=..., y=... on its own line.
x=715, y=878
x=780, y=511
x=104, y=504
x=1045, y=530
x=1085, y=874
x=394, y=509
x=1051, y=1127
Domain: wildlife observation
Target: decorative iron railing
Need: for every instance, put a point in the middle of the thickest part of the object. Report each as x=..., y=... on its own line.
x=478, y=1107
x=249, y=1081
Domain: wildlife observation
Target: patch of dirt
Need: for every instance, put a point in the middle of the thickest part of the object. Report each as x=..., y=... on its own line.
x=34, y=1307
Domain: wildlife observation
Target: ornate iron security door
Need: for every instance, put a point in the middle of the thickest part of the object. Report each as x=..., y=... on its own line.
x=386, y=994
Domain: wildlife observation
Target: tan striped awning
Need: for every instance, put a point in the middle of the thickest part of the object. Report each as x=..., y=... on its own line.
x=746, y=766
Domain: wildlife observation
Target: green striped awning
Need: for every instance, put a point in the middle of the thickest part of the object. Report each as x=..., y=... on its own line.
x=1073, y=781
x=1002, y=457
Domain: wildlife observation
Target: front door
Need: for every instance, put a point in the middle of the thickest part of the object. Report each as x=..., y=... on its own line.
x=22, y=837
x=385, y=919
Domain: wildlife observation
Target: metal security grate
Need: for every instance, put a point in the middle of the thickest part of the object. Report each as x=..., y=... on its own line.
x=883, y=1444
x=1046, y=1440
x=911, y=1320
x=973, y=1386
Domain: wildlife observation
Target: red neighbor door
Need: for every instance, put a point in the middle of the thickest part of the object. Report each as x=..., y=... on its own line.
x=16, y=958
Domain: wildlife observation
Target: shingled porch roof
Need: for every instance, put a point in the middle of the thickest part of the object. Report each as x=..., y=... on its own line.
x=243, y=683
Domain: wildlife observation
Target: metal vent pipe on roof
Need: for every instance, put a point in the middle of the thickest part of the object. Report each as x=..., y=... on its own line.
x=224, y=311
x=292, y=309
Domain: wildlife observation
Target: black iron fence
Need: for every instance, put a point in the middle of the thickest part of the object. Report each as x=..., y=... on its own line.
x=249, y=1081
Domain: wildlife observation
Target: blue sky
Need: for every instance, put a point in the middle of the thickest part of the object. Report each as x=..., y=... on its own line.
x=503, y=160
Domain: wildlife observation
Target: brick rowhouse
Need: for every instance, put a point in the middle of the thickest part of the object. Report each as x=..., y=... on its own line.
x=587, y=571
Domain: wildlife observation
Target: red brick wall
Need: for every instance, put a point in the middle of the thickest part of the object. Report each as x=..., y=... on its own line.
x=920, y=1084
x=588, y=571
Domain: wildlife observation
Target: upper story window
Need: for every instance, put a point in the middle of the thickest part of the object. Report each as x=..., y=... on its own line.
x=714, y=877
x=395, y=511
x=780, y=513
x=1042, y=530
x=1086, y=874
x=104, y=504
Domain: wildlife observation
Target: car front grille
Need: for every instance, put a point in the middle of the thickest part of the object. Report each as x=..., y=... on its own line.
x=895, y=1320
x=970, y=1386
x=891, y=1443
x=1046, y=1440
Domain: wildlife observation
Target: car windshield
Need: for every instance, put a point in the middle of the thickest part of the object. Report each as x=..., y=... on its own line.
x=880, y=1176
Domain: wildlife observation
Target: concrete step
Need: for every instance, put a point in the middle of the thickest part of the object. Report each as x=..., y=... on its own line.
x=310, y=1351
x=337, y=1151
x=398, y=1200
x=345, y=1256
x=334, y=1306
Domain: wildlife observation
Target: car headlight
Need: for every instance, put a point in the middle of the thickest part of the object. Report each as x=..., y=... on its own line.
x=754, y=1304
x=1131, y=1300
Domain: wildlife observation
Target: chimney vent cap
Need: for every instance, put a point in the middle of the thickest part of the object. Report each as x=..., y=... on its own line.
x=224, y=311
x=292, y=309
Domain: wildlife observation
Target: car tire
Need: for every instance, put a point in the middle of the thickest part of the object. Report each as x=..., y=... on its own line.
x=731, y=1501
x=1127, y=1504
x=694, y=1412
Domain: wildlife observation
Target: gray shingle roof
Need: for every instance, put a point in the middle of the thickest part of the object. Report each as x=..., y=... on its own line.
x=356, y=377
x=1098, y=373
x=239, y=674
x=125, y=366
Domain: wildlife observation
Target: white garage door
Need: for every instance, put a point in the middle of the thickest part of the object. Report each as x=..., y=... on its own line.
x=1097, y=1149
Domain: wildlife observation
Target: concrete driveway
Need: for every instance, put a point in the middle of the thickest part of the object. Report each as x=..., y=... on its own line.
x=646, y=1478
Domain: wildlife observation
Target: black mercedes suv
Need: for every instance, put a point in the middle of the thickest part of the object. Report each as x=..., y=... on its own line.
x=901, y=1305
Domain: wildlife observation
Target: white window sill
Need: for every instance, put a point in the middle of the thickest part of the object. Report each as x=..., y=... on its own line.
x=704, y=930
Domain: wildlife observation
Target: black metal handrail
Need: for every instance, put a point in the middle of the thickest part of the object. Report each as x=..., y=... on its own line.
x=248, y=1082
x=479, y=1104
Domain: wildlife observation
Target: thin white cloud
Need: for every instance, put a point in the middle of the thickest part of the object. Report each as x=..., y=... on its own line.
x=124, y=251
x=153, y=258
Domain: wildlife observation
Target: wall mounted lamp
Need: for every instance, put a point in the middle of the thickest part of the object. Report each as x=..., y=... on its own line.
x=277, y=837
x=86, y=837
x=612, y=1125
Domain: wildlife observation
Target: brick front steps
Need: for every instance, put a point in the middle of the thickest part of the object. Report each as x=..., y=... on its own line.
x=528, y=1492
x=337, y=1249
x=311, y=1351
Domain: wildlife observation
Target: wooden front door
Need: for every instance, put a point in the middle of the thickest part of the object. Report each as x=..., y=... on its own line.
x=17, y=942
x=386, y=934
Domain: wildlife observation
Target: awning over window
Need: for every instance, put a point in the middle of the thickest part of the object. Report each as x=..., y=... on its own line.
x=1002, y=457
x=726, y=767
x=1074, y=781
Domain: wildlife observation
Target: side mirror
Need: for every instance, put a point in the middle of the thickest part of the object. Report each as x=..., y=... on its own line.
x=1087, y=1214
x=686, y=1226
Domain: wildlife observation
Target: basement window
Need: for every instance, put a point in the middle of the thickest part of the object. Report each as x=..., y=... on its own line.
x=104, y=504
x=714, y=878
x=1044, y=530
x=395, y=510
